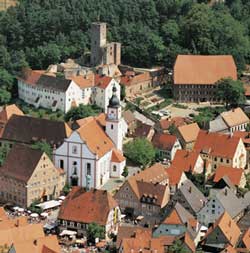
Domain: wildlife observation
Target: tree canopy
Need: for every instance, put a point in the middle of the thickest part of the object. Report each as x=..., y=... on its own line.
x=230, y=91
x=82, y=111
x=39, y=33
x=95, y=231
x=140, y=151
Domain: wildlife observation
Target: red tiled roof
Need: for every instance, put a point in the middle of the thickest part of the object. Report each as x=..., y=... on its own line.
x=8, y=111
x=84, y=82
x=174, y=175
x=189, y=242
x=185, y=160
x=117, y=156
x=3, y=215
x=233, y=174
x=189, y=132
x=176, y=121
x=164, y=141
x=235, y=117
x=102, y=81
x=95, y=137
x=31, y=77
x=215, y=144
x=173, y=218
x=99, y=204
x=246, y=239
x=203, y=69
x=228, y=227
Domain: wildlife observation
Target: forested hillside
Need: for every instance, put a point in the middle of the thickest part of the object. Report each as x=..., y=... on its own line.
x=152, y=32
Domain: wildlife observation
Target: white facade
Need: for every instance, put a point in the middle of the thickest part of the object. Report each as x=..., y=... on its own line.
x=101, y=96
x=114, y=126
x=75, y=157
x=50, y=98
x=240, y=156
x=199, y=165
x=53, y=99
x=85, y=167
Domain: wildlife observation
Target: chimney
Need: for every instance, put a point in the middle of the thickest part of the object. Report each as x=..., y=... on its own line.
x=17, y=223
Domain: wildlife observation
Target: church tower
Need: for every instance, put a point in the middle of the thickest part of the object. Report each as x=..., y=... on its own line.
x=114, y=120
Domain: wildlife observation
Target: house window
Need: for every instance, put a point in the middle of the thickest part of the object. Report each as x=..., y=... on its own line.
x=112, y=127
x=61, y=164
x=221, y=159
x=114, y=168
x=89, y=169
x=74, y=149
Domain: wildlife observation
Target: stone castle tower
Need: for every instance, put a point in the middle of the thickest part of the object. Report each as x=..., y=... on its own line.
x=102, y=52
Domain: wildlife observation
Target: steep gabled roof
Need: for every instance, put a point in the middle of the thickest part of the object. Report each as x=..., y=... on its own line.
x=27, y=130
x=179, y=215
x=95, y=137
x=19, y=234
x=46, y=244
x=164, y=141
x=192, y=195
x=246, y=239
x=234, y=174
x=235, y=117
x=8, y=111
x=21, y=162
x=228, y=227
x=203, y=69
x=31, y=76
x=189, y=132
x=84, y=82
x=117, y=156
x=102, y=81
x=185, y=160
x=74, y=207
x=154, y=174
x=215, y=143
x=54, y=83
x=226, y=197
x=174, y=174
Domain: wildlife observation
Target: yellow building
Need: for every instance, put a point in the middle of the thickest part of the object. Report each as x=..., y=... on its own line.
x=28, y=175
x=5, y=4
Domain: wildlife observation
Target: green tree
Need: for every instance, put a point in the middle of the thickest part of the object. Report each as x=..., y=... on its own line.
x=43, y=146
x=95, y=231
x=178, y=247
x=231, y=92
x=82, y=111
x=125, y=172
x=140, y=151
x=123, y=92
x=5, y=96
x=172, y=129
x=66, y=189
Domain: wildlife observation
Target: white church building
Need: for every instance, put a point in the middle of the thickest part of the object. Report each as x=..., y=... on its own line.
x=92, y=154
